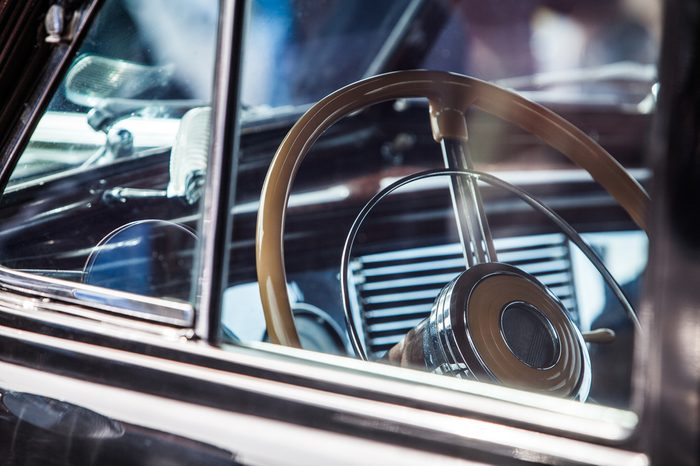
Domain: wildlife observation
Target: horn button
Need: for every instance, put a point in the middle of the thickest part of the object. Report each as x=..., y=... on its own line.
x=496, y=323
x=529, y=335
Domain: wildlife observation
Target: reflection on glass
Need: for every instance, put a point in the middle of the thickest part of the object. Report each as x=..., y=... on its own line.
x=107, y=191
x=591, y=62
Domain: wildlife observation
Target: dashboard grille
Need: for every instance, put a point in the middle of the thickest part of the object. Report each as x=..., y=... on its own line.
x=396, y=289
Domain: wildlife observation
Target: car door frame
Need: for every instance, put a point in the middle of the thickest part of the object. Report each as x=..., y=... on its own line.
x=305, y=394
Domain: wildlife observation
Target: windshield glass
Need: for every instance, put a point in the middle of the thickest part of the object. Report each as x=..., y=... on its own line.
x=299, y=51
x=141, y=67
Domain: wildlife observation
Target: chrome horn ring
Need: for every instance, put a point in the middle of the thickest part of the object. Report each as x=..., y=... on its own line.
x=462, y=355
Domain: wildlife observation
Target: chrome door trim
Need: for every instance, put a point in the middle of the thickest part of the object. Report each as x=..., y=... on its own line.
x=335, y=374
x=239, y=434
x=407, y=425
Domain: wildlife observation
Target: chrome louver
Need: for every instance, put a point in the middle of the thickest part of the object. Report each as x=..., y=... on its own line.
x=396, y=289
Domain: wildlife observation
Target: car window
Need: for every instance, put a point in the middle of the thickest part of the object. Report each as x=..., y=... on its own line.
x=396, y=282
x=288, y=38
x=106, y=193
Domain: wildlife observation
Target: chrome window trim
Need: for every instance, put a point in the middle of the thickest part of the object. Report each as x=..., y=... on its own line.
x=40, y=311
x=463, y=437
x=215, y=222
x=490, y=419
x=131, y=305
x=468, y=398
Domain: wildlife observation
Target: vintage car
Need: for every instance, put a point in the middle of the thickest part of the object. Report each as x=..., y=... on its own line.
x=349, y=232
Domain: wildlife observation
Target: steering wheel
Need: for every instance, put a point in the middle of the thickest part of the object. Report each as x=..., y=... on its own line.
x=473, y=330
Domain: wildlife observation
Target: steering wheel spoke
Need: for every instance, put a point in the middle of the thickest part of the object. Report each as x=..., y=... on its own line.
x=472, y=224
x=449, y=128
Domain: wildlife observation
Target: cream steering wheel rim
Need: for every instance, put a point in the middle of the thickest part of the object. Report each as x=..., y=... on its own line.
x=446, y=92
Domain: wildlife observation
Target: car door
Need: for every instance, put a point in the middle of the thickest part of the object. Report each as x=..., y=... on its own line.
x=116, y=256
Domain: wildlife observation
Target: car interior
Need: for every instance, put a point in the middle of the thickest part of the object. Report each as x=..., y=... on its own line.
x=451, y=187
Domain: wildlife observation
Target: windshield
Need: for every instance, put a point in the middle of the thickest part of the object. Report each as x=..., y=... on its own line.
x=288, y=40
x=299, y=51
x=138, y=72
x=141, y=67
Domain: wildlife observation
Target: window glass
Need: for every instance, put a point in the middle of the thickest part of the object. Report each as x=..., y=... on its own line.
x=288, y=39
x=592, y=62
x=107, y=191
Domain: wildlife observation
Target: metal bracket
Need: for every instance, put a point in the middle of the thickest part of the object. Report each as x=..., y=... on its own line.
x=60, y=25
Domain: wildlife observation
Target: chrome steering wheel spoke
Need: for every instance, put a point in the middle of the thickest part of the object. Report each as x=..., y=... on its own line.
x=472, y=224
x=449, y=127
